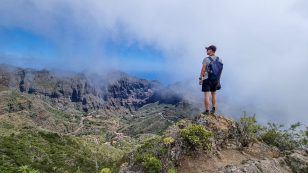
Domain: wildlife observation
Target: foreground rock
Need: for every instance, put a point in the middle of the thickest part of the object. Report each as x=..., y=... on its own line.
x=229, y=153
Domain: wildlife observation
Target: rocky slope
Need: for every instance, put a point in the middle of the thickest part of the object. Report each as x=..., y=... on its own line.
x=228, y=153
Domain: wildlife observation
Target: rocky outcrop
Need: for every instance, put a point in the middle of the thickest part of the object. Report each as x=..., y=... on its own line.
x=298, y=161
x=257, y=166
x=227, y=154
x=294, y=162
x=231, y=156
x=115, y=91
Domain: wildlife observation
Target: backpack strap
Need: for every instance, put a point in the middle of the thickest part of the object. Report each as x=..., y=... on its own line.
x=207, y=66
x=211, y=59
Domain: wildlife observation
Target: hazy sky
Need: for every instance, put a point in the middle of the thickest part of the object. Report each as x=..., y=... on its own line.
x=263, y=45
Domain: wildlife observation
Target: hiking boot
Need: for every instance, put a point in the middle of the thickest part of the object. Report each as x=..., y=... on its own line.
x=213, y=111
x=206, y=112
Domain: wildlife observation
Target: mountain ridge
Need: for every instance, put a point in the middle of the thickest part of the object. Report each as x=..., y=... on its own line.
x=114, y=90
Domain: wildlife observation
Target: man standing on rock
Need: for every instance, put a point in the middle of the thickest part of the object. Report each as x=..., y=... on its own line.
x=210, y=78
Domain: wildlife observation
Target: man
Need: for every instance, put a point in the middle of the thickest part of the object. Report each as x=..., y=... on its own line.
x=209, y=83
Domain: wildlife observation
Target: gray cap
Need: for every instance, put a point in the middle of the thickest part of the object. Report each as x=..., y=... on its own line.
x=212, y=47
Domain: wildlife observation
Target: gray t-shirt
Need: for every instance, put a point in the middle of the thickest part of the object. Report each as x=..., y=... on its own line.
x=207, y=61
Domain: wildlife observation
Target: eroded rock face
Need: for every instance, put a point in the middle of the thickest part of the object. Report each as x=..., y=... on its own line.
x=257, y=166
x=295, y=162
x=298, y=161
x=88, y=93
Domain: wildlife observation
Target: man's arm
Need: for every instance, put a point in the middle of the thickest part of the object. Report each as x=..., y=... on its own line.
x=203, y=70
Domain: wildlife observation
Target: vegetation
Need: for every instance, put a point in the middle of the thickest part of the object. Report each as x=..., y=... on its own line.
x=284, y=139
x=151, y=163
x=273, y=134
x=106, y=170
x=28, y=146
x=17, y=102
x=27, y=169
x=148, y=153
x=196, y=136
x=152, y=146
x=151, y=124
x=250, y=129
x=45, y=150
x=168, y=140
x=172, y=170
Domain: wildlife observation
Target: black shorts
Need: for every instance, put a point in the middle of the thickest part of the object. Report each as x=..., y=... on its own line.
x=210, y=86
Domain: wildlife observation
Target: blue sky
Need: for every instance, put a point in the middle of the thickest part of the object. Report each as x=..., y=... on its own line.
x=24, y=45
x=29, y=49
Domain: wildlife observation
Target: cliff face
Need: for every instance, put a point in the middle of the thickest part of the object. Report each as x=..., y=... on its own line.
x=114, y=91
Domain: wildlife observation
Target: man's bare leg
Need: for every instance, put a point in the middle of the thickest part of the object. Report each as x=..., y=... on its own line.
x=213, y=99
x=213, y=102
x=207, y=100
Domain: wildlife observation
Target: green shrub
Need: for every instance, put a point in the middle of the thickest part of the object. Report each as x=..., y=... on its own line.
x=27, y=169
x=196, y=136
x=250, y=129
x=284, y=139
x=271, y=133
x=106, y=170
x=168, y=140
x=181, y=122
x=172, y=170
x=153, y=146
x=253, y=127
x=150, y=153
x=151, y=164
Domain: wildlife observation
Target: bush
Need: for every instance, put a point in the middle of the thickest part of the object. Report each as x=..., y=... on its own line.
x=172, y=170
x=152, y=151
x=152, y=146
x=106, y=170
x=286, y=139
x=182, y=123
x=250, y=129
x=271, y=133
x=27, y=169
x=152, y=164
x=196, y=136
x=168, y=140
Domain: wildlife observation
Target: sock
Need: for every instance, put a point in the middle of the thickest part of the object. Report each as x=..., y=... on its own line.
x=213, y=108
x=207, y=111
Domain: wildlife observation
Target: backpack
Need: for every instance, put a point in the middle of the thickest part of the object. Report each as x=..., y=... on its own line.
x=214, y=69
